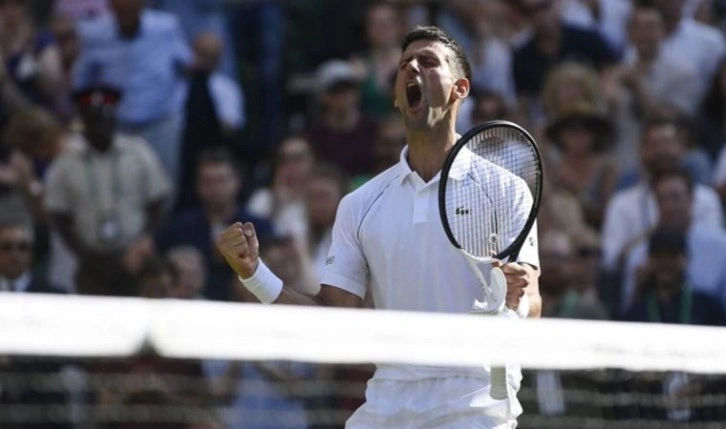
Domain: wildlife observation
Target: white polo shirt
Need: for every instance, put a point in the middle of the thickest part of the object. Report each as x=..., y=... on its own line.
x=388, y=234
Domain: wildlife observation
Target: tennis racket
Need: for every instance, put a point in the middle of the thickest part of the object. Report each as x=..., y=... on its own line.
x=489, y=195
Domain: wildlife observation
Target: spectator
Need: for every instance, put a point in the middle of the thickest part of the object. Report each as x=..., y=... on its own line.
x=719, y=175
x=81, y=9
x=30, y=56
x=563, y=299
x=665, y=296
x=343, y=135
x=553, y=42
x=142, y=52
x=584, y=137
x=711, y=122
x=152, y=380
x=325, y=188
x=491, y=56
x=214, y=111
x=384, y=32
x=282, y=201
x=16, y=258
x=63, y=29
x=652, y=76
x=204, y=16
x=706, y=246
x=252, y=389
x=17, y=275
x=218, y=186
x=156, y=278
x=35, y=138
x=671, y=146
x=100, y=212
x=632, y=212
x=569, y=84
x=191, y=270
x=607, y=17
x=690, y=41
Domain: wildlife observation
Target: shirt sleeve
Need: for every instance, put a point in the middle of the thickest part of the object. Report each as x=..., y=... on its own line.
x=157, y=184
x=57, y=197
x=182, y=52
x=529, y=253
x=346, y=266
x=227, y=98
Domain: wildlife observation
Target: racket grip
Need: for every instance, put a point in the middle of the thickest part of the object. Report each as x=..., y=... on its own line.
x=499, y=383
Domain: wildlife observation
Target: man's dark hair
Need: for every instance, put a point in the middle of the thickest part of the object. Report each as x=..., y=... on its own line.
x=669, y=172
x=219, y=156
x=645, y=6
x=334, y=173
x=435, y=34
x=154, y=267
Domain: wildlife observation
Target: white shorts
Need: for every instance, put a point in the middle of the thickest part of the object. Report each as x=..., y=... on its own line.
x=434, y=403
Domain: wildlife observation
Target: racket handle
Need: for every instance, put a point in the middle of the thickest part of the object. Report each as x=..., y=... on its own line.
x=499, y=383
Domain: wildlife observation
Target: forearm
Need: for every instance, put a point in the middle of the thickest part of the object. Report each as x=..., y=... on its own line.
x=64, y=224
x=535, y=304
x=532, y=292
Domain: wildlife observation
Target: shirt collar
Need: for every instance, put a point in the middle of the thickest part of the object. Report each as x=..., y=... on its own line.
x=21, y=284
x=461, y=167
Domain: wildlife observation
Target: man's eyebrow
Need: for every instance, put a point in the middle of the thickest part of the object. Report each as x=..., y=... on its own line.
x=426, y=53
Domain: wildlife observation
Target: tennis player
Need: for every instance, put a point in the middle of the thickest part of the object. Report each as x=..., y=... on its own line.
x=388, y=236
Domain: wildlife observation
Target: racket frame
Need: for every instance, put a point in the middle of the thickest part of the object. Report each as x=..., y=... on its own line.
x=499, y=389
x=512, y=251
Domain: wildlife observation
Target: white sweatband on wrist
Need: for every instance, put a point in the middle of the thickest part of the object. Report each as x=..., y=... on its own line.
x=263, y=284
x=523, y=309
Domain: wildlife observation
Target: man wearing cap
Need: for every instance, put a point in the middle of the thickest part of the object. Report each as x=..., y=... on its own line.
x=144, y=53
x=105, y=195
x=343, y=135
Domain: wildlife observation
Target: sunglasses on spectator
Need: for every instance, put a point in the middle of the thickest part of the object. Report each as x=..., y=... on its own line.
x=20, y=246
x=536, y=8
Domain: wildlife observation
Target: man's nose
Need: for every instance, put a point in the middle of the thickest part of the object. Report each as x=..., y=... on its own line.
x=412, y=66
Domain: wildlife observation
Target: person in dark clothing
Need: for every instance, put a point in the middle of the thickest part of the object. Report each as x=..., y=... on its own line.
x=218, y=185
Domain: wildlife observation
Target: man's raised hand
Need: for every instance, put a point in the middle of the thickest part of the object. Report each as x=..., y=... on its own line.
x=239, y=246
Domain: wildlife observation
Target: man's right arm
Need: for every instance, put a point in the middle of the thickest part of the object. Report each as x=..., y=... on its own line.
x=239, y=246
x=64, y=225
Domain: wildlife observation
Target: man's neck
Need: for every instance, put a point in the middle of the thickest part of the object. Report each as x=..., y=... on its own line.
x=648, y=56
x=427, y=149
x=220, y=214
x=548, y=39
x=668, y=293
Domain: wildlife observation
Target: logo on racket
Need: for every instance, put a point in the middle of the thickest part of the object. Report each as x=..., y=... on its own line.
x=462, y=211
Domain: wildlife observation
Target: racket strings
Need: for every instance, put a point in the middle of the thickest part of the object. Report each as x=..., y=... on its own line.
x=494, y=174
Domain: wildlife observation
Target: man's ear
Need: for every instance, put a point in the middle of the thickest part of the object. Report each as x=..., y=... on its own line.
x=461, y=89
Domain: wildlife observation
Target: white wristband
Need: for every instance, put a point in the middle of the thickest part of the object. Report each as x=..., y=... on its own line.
x=264, y=284
x=523, y=309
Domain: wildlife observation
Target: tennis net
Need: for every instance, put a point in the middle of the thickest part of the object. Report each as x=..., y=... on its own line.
x=82, y=362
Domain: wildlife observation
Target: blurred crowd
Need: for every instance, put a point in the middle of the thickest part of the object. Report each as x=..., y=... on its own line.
x=132, y=132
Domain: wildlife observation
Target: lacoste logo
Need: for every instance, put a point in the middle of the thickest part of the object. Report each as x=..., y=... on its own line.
x=462, y=211
x=531, y=241
x=330, y=260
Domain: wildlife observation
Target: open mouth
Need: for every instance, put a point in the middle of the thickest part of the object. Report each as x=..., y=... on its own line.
x=413, y=94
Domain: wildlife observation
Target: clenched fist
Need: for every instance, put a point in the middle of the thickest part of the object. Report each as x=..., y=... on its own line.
x=239, y=246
